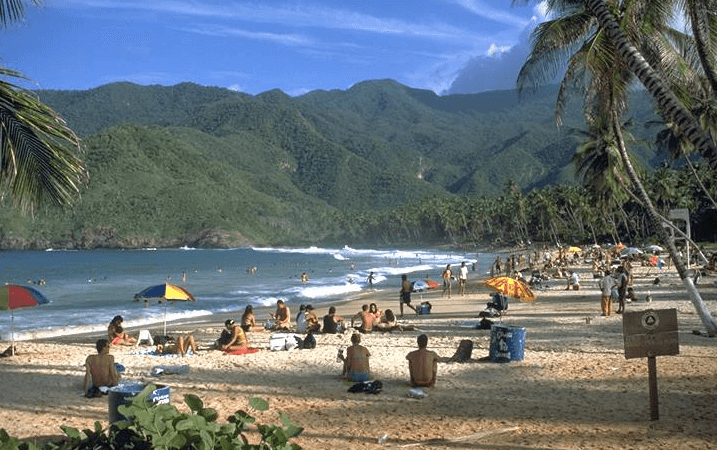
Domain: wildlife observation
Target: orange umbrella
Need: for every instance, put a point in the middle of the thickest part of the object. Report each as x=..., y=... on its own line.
x=511, y=287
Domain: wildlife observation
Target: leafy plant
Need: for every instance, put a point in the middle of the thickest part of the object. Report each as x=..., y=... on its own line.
x=163, y=427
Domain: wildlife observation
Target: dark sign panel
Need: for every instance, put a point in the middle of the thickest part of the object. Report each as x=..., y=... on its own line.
x=652, y=332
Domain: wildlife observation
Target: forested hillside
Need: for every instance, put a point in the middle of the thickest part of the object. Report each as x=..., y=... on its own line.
x=189, y=164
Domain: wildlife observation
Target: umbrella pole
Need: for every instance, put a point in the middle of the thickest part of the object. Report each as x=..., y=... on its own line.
x=165, y=318
x=12, y=333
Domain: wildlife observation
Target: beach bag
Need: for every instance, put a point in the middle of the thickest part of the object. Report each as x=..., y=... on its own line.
x=424, y=308
x=284, y=341
x=484, y=324
x=463, y=353
x=369, y=387
x=309, y=342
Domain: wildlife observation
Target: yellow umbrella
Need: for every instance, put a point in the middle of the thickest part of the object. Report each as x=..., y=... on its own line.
x=510, y=287
x=574, y=249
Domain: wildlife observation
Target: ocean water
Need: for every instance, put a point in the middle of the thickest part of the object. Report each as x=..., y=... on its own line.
x=88, y=288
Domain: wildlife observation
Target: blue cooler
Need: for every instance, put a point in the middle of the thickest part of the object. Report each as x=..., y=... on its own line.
x=424, y=308
x=506, y=343
x=119, y=395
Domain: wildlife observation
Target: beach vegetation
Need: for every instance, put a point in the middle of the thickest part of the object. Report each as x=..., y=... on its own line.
x=163, y=427
x=41, y=159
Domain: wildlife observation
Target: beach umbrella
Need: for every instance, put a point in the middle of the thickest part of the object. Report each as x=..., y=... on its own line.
x=574, y=249
x=654, y=248
x=165, y=293
x=511, y=287
x=629, y=251
x=13, y=297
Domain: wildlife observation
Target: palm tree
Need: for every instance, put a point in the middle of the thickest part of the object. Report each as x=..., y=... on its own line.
x=39, y=155
x=608, y=56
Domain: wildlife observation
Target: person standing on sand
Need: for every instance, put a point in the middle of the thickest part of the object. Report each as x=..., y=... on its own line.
x=462, y=279
x=622, y=281
x=607, y=283
x=447, y=285
x=356, y=365
x=422, y=364
x=100, y=369
x=405, y=294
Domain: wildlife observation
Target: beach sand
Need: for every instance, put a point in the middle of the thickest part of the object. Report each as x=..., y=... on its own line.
x=574, y=389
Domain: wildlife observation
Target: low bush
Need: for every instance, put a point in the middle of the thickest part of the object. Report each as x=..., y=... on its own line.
x=163, y=427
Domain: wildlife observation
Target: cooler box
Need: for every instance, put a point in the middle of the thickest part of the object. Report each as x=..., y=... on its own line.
x=506, y=343
x=119, y=395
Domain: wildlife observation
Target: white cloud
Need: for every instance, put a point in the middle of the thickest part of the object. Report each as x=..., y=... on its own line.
x=488, y=12
x=235, y=87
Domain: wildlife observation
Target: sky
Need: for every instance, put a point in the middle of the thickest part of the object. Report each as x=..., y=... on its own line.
x=447, y=46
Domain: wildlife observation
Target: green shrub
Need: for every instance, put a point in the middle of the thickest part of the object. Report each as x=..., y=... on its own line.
x=163, y=427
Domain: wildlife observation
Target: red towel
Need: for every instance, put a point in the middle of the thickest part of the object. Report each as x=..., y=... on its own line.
x=241, y=351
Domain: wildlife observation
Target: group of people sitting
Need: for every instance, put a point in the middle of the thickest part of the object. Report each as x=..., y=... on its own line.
x=422, y=363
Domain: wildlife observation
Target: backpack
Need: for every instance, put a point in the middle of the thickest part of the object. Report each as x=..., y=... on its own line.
x=309, y=342
x=463, y=353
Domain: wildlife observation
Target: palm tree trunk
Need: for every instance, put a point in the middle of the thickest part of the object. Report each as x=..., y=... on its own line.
x=707, y=320
x=698, y=19
x=670, y=107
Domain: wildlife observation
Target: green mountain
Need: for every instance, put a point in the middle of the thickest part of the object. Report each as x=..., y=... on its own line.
x=198, y=165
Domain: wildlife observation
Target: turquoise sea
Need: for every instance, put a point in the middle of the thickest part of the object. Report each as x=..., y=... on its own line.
x=88, y=288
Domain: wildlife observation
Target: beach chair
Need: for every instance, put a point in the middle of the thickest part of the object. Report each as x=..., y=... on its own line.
x=145, y=335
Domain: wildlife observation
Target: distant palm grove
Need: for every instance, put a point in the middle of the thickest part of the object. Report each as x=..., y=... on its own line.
x=379, y=164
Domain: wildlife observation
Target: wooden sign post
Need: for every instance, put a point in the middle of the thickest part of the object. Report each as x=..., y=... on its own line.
x=651, y=333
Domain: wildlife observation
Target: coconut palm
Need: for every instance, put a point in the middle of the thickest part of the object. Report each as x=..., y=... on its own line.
x=606, y=55
x=39, y=155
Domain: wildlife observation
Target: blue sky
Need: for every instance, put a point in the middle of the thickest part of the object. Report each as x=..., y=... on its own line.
x=296, y=46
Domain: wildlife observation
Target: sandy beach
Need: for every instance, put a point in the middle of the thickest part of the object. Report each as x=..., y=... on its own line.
x=574, y=389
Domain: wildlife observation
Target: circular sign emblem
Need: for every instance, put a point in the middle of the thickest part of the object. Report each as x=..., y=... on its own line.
x=650, y=320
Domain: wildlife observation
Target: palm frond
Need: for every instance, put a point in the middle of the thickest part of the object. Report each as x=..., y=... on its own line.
x=39, y=154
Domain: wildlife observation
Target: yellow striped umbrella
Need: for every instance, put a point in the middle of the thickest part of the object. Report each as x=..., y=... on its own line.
x=511, y=287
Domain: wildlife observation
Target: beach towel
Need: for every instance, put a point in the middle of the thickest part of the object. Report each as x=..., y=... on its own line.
x=241, y=351
x=153, y=352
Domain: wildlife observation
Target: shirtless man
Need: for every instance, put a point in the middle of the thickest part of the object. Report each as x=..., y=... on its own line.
x=100, y=369
x=422, y=364
x=282, y=317
x=356, y=366
x=367, y=320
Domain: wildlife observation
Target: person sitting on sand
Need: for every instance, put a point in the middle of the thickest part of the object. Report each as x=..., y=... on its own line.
x=312, y=322
x=117, y=334
x=356, y=365
x=422, y=364
x=233, y=338
x=373, y=309
x=100, y=369
x=332, y=321
x=366, y=320
x=177, y=346
x=282, y=317
x=387, y=322
x=248, y=321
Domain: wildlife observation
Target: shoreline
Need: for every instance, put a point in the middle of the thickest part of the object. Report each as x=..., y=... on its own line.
x=574, y=389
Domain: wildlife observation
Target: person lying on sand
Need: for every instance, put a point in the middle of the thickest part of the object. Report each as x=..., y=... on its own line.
x=100, y=369
x=422, y=364
x=356, y=365
x=117, y=334
x=180, y=345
